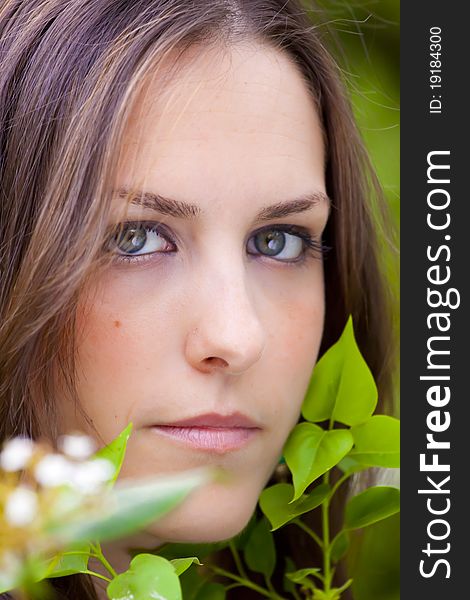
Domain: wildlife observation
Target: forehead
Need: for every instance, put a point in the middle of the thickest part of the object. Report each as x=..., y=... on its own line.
x=228, y=118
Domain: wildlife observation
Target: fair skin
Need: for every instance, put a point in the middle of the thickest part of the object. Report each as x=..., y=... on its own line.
x=211, y=322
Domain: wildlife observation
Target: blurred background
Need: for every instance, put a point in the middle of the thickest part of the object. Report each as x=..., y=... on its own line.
x=364, y=37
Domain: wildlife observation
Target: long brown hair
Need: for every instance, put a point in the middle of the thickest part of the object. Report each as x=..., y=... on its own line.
x=68, y=72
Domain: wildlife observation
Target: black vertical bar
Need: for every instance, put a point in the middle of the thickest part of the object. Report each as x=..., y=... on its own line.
x=435, y=260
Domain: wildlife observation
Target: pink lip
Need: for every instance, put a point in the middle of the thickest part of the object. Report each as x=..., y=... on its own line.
x=211, y=431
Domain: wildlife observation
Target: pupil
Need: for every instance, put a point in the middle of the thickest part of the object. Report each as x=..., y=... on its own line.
x=132, y=240
x=270, y=243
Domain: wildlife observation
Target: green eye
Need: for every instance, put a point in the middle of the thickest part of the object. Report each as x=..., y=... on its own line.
x=139, y=239
x=131, y=240
x=276, y=243
x=270, y=243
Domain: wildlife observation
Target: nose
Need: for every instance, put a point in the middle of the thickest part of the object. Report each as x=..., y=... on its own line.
x=225, y=333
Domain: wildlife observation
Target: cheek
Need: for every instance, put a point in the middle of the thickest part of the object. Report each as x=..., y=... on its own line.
x=119, y=326
x=296, y=323
x=117, y=353
x=293, y=345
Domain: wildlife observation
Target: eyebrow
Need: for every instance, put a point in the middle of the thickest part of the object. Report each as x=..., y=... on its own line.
x=180, y=209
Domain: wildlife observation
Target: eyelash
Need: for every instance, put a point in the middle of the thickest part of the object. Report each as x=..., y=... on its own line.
x=311, y=246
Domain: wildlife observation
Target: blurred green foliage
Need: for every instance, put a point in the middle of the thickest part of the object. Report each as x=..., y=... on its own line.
x=363, y=35
x=375, y=566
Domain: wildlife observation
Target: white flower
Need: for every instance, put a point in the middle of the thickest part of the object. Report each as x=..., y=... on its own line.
x=21, y=507
x=90, y=476
x=10, y=568
x=54, y=470
x=77, y=446
x=16, y=454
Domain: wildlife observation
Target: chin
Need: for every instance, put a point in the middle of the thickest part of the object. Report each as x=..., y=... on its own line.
x=211, y=514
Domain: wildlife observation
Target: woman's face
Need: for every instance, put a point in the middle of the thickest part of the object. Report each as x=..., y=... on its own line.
x=215, y=300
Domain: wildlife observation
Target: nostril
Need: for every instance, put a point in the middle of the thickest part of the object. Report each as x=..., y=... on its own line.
x=215, y=361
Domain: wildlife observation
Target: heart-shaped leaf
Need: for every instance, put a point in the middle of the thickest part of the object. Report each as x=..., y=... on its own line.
x=148, y=576
x=342, y=387
x=372, y=505
x=310, y=451
x=260, y=552
x=274, y=502
x=377, y=442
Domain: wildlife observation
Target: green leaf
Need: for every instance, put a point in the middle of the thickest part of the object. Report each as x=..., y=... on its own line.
x=342, y=387
x=332, y=594
x=274, y=502
x=339, y=546
x=211, y=591
x=377, y=442
x=129, y=507
x=148, y=576
x=301, y=577
x=288, y=585
x=349, y=466
x=68, y=563
x=182, y=564
x=191, y=582
x=115, y=451
x=310, y=451
x=196, y=586
x=260, y=552
x=372, y=505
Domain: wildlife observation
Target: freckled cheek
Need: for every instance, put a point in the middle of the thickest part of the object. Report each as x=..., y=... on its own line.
x=112, y=340
x=292, y=350
x=299, y=328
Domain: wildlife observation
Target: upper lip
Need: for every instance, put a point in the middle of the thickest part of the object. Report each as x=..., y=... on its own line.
x=236, y=419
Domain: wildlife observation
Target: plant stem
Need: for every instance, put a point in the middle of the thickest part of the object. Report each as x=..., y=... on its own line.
x=246, y=582
x=345, y=586
x=340, y=481
x=269, y=585
x=325, y=510
x=238, y=562
x=96, y=575
x=100, y=556
x=310, y=532
x=233, y=586
x=326, y=538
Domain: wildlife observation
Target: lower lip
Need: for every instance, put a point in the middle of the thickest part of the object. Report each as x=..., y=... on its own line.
x=219, y=439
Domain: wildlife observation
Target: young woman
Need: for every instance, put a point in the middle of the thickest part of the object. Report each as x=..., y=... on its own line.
x=186, y=223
